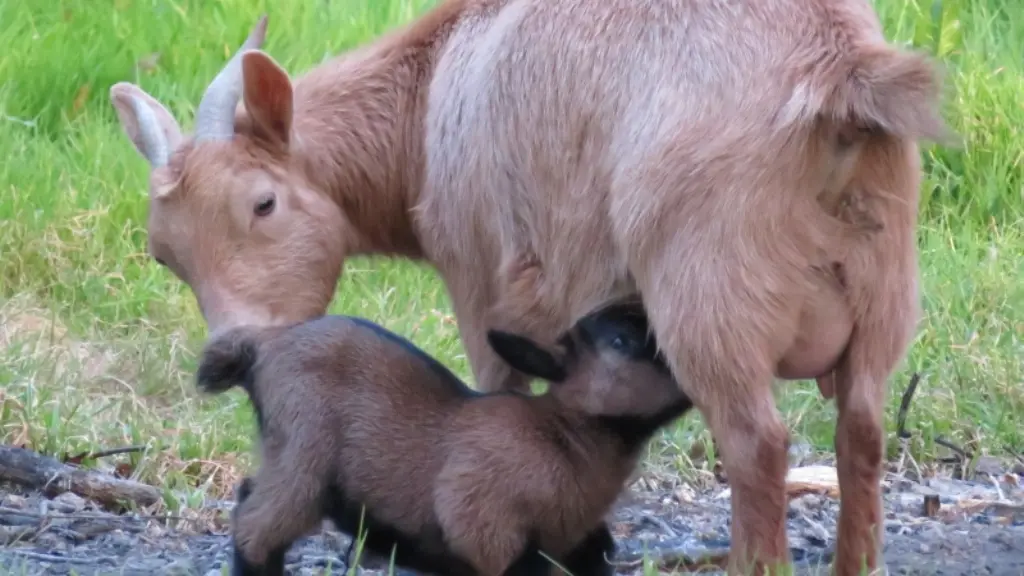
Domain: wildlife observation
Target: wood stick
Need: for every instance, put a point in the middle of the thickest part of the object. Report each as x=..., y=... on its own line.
x=47, y=474
x=672, y=560
x=901, y=417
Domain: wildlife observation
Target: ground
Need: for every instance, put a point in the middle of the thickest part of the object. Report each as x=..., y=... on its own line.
x=98, y=344
x=978, y=528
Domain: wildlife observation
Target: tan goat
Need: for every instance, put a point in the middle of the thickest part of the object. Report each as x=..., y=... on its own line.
x=750, y=169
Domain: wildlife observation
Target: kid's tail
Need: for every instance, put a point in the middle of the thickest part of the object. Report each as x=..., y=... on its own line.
x=228, y=359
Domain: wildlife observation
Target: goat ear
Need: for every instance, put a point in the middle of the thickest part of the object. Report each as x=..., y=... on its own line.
x=150, y=127
x=267, y=93
x=526, y=356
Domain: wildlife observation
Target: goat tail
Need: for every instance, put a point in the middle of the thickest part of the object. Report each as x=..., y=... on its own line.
x=228, y=360
x=878, y=88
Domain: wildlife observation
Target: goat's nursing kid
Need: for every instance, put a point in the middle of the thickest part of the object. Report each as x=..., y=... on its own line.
x=352, y=415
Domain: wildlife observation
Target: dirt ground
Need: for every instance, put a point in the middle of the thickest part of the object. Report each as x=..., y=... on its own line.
x=978, y=528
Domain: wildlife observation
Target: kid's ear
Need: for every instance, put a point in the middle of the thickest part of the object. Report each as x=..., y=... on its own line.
x=527, y=356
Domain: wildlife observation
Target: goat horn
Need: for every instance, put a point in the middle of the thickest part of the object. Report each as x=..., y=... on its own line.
x=154, y=142
x=215, y=116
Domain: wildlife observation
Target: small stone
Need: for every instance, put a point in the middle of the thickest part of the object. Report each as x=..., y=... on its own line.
x=11, y=534
x=988, y=465
x=49, y=541
x=799, y=453
x=685, y=494
x=15, y=501
x=154, y=530
x=911, y=502
x=923, y=490
x=925, y=549
x=900, y=484
x=68, y=503
x=804, y=505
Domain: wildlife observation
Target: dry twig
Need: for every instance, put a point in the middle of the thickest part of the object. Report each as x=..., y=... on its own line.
x=901, y=417
x=64, y=559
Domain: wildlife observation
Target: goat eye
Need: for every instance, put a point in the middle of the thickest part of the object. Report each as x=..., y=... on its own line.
x=264, y=207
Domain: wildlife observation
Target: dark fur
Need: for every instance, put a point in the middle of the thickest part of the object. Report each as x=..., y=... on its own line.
x=356, y=419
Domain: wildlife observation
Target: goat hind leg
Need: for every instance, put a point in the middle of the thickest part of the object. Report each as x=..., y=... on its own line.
x=270, y=514
x=881, y=274
x=240, y=566
x=718, y=334
x=882, y=335
x=754, y=443
x=591, y=556
x=718, y=363
x=859, y=451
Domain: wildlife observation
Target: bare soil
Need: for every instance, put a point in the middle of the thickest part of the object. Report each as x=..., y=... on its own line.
x=977, y=529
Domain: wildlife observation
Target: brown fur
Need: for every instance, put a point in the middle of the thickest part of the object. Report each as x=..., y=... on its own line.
x=352, y=415
x=713, y=158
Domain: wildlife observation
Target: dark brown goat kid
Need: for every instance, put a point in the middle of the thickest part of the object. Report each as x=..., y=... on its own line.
x=355, y=419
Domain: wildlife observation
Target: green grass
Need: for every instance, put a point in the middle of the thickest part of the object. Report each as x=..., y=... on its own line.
x=98, y=343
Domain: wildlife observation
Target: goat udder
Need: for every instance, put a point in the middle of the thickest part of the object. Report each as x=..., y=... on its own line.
x=826, y=325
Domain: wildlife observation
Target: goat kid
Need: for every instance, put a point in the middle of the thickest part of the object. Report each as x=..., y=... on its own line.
x=720, y=161
x=352, y=415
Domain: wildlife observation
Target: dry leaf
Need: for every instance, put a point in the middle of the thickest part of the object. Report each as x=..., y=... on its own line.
x=149, y=63
x=123, y=470
x=75, y=460
x=80, y=97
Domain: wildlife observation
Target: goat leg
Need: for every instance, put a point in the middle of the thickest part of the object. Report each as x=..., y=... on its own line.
x=592, y=556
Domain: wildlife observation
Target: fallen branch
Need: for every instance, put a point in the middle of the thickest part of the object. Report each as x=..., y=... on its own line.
x=44, y=473
x=94, y=516
x=961, y=452
x=1003, y=510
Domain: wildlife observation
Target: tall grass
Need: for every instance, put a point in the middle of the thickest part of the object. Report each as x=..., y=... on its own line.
x=98, y=344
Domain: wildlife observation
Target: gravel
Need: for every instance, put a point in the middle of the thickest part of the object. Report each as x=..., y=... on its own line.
x=978, y=529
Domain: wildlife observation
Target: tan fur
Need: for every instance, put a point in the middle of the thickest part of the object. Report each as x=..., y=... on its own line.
x=344, y=409
x=713, y=157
